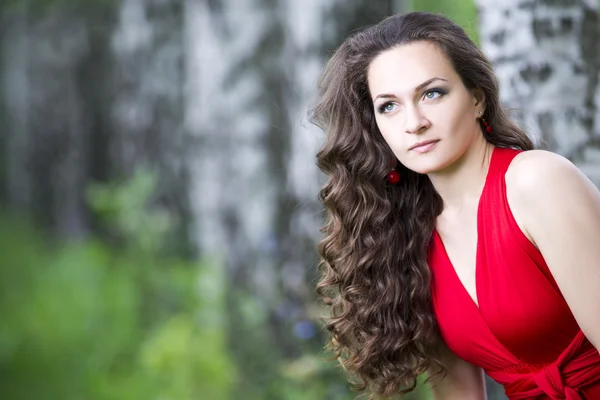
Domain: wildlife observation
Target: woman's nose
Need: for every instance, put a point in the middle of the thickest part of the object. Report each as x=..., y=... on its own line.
x=415, y=120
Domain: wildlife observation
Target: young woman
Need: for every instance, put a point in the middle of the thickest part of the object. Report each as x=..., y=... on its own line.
x=451, y=246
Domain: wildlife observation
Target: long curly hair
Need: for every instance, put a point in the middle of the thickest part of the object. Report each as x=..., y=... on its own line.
x=375, y=278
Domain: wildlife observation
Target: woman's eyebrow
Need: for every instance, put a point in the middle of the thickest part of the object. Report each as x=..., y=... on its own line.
x=419, y=87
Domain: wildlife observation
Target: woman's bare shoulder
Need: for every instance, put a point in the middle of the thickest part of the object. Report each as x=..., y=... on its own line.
x=531, y=168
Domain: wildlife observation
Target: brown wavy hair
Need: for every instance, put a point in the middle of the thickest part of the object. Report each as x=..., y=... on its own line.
x=375, y=278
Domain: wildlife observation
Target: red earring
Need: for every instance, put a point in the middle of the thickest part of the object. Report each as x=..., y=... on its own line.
x=487, y=126
x=393, y=176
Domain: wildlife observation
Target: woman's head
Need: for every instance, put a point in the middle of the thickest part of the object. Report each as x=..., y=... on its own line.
x=393, y=58
x=420, y=100
x=376, y=279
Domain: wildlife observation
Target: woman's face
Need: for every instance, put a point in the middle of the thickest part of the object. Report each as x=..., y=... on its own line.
x=423, y=110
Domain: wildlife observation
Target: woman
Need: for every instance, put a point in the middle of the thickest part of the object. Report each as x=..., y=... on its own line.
x=470, y=251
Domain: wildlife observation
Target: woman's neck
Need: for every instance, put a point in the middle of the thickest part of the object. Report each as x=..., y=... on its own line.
x=460, y=184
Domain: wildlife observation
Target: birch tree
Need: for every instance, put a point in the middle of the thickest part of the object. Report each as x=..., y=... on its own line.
x=546, y=56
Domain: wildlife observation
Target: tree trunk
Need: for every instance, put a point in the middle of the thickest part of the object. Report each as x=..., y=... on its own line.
x=546, y=56
x=255, y=181
x=46, y=144
x=92, y=94
x=148, y=105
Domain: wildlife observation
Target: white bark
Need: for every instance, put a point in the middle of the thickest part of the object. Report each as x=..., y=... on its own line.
x=230, y=193
x=545, y=55
x=254, y=178
x=235, y=187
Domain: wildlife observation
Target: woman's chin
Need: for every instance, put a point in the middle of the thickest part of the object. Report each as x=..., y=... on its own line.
x=426, y=169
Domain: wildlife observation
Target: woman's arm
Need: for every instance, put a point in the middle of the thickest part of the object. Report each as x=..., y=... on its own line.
x=558, y=208
x=462, y=381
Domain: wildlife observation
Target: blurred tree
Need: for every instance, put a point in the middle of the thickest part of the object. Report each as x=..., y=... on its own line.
x=90, y=93
x=546, y=54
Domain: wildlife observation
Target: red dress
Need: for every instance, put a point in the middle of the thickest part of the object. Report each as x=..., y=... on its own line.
x=522, y=334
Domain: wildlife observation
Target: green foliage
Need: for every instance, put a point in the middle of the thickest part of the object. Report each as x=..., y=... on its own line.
x=122, y=206
x=462, y=12
x=90, y=321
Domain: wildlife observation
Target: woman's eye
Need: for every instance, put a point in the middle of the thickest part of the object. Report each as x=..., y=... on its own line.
x=386, y=108
x=433, y=94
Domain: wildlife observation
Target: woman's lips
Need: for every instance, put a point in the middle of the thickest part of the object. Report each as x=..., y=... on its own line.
x=424, y=147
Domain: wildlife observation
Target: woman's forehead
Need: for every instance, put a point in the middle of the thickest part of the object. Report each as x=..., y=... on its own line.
x=404, y=68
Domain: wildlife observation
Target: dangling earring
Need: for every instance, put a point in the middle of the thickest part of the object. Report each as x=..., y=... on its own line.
x=393, y=176
x=487, y=126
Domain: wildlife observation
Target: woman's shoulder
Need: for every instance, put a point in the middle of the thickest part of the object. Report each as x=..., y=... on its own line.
x=541, y=186
x=534, y=172
x=537, y=183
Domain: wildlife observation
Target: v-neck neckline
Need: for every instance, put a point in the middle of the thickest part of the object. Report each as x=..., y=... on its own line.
x=475, y=302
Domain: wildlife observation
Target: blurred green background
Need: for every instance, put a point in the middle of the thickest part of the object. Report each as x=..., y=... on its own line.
x=122, y=315
x=130, y=308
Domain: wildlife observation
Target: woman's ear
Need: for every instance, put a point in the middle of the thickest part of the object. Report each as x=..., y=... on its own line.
x=478, y=98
